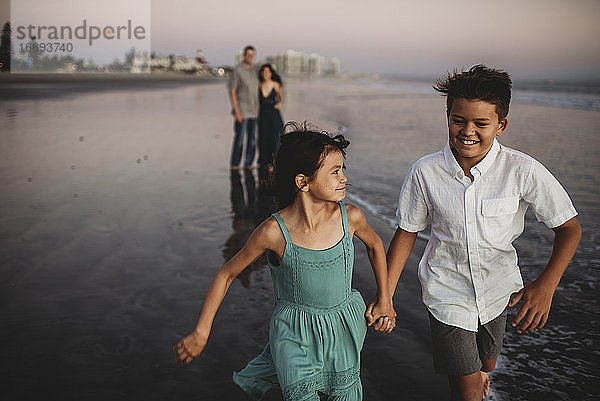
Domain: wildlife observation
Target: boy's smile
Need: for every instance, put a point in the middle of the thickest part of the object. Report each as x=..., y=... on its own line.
x=472, y=127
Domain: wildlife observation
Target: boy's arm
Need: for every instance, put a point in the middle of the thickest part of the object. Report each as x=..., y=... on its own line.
x=537, y=296
x=383, y=306
x=400, y=248
x=259, y=241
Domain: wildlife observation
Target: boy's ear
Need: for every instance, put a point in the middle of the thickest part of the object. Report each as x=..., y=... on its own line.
x=301, y=182
x=502, y=126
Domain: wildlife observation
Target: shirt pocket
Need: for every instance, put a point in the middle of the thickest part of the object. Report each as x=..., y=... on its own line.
x=498, y=217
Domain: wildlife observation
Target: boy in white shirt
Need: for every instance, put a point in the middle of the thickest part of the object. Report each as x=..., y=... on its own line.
x=476, y=192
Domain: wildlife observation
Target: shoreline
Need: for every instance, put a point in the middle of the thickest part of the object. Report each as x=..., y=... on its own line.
x=108, y=76
x=14, y=86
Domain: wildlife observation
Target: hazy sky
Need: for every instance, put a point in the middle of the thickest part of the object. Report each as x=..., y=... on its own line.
x=547, y=39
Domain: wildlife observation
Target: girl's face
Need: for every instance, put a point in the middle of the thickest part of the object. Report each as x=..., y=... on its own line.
x=329, y=181
x=266, y=73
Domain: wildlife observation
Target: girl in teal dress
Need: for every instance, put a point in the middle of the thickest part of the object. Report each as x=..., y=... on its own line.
x=318, y=328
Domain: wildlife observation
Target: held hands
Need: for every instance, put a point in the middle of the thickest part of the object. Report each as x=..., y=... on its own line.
x=381, y=316
x=536, y=300
x=189, y=348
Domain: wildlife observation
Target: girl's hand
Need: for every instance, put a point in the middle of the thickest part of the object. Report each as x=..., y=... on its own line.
x=190, y=347
x=384, y=324
x=370, y=314
x=384, y=316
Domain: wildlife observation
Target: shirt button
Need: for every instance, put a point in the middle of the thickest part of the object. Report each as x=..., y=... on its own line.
x=501, y=209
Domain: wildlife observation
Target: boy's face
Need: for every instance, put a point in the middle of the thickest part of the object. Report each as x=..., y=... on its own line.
x=472, y=127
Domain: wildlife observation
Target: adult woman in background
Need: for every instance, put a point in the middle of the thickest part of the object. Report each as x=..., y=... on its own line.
x=270, y=122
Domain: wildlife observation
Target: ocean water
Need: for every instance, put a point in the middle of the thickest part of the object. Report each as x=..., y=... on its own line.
x=573, y=95
x=392, y=123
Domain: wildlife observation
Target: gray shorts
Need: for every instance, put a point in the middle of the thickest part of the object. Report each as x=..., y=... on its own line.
x=459, y=352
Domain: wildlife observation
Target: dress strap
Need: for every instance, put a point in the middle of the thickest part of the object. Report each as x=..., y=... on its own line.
x=284, y=230
x=344, y=216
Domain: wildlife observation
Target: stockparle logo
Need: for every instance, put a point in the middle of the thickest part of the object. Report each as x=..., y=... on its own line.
x=64, y=36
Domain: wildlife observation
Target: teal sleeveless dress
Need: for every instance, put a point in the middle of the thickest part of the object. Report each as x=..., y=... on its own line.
x=317, y=329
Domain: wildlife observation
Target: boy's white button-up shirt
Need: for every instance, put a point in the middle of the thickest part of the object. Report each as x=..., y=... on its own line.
x=469, y=267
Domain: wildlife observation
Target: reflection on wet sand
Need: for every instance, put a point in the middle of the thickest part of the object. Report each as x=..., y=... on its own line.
x=250, y=206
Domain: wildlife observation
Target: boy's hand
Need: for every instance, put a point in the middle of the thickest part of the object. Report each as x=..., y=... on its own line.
x=536, y=300
x=189, y=348
x=384, y=324
x=381, y=317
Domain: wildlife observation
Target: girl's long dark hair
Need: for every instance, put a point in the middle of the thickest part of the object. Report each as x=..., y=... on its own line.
x=302, y=151
x=274, y=76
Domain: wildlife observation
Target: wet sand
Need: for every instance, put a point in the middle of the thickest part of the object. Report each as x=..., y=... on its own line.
x=117, y=210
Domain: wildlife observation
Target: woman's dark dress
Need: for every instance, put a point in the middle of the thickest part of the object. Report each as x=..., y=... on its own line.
x=270, y=125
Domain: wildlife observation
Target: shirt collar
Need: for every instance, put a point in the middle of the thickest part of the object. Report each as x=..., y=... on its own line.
x=482, y=167
x=453, y=167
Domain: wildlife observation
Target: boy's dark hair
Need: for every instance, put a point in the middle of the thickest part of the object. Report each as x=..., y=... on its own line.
x=249, y=47
x=302, y=151
x=479, y=83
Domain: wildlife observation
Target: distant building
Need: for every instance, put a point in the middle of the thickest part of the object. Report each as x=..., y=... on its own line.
x=295, y=63
x=160, y=63
x=316, y=64
x=195, y=65
x=140, y=63
x=334, y=67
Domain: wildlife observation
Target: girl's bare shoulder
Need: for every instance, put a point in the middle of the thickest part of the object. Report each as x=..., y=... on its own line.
x=354, y=212
x=356, y=217
x=268, y=233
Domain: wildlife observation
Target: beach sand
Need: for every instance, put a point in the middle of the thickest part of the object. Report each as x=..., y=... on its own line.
x=118, y=208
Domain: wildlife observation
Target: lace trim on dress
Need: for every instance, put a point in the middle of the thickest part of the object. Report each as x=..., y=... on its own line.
x=282, y=303
x=330, y=383
x=321, y=265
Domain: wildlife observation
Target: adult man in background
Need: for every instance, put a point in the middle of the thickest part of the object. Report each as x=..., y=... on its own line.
x=243, y=92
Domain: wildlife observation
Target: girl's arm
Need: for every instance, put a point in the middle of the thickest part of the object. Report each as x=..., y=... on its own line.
x=376, y=252
x=278, y=92
x=397, y=255
x=260, y=240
